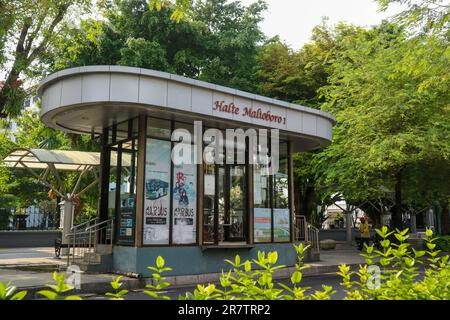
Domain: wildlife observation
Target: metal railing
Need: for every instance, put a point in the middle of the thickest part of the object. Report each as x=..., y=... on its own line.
x=30, y=218
x=300, y=228
x=100, y=233
x=84, y=239
x=312, y=237
x=306, y=232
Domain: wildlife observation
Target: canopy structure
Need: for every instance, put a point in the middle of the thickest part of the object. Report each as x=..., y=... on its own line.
x=59, y=159
x=41, y=162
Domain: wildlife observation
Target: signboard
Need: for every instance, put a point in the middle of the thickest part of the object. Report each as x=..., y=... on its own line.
x=126, y=222
x=281, y=226
x=157, y=192
x=248, y=112
x=262, y=224
x=184, y=203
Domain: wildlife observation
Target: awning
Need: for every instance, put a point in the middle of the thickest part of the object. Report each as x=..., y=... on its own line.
x=61, y=159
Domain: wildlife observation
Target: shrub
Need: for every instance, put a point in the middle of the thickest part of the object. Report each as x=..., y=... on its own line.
x=443, y=243
x=7, y=292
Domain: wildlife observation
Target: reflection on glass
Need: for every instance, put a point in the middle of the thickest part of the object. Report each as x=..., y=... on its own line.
x=127, y=192
x=112, y=185
x=158, y=128
x=281, y=212
x=208, y=204
x=234, y=221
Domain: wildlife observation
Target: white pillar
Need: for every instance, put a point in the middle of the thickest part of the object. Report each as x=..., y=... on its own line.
x=348, y=225
x=430, y=219
x=66, y=220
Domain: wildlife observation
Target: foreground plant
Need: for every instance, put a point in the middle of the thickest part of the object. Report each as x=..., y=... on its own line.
x=247, y=280
x=159, y=280
x=58, y=289
x=397, y=275
x=7, y=292
x=117, y=294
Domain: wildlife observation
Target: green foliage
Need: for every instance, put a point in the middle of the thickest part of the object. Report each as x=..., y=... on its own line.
x=158, y=280
x=218, y=43
x=443, y=243
x=247, y=280
x=181, y=8
x=117, y=294
x=27, y=30
x=422, y=16
x=58, y=289
x=399, y=277
x=7, y=292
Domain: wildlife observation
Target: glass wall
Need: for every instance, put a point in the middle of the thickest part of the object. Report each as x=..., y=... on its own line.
x=170, y=191
x=170, y=205
x=122, y=147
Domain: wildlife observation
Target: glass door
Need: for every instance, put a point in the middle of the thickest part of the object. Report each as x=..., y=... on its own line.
x=225, y=210
x=126, y=192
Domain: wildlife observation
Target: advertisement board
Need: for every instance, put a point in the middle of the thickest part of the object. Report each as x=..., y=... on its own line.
x=262, y=224
x=184, y=203
x=157, y=192
x=281, y=226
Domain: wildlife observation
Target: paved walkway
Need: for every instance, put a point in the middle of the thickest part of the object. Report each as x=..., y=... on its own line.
x=29, y=257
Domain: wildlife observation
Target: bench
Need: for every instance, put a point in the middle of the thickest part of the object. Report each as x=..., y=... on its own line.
x=58, y=246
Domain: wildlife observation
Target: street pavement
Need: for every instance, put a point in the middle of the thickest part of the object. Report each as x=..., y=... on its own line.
x=28, y=257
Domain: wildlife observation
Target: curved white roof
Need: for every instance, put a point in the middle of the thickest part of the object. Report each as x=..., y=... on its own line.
x=88, y=99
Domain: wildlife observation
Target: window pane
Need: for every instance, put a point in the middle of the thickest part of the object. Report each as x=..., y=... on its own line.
x=281, y=212
x=127, y=193
x=235, y=221
x=208, y=203
x=158, y=128
x=261, y=201
x=122, y=131
x=157, y=192
x=112, y=185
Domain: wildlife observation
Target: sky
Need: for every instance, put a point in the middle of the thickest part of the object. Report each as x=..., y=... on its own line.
x=293, y=20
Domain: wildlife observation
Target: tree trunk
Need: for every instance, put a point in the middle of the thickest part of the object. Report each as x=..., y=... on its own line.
x=305, y=199
x=445, y=218
x=397, y=221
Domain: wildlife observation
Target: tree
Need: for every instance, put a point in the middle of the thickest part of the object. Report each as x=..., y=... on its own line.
x=389, y=94
x=423, y=16
x=27, y=30
x=296, y=76
x=218, y=43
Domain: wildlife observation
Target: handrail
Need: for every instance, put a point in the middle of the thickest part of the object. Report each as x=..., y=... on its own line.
x=82, y=224
x=313, y=237
x=98, y=224
x=83, y=237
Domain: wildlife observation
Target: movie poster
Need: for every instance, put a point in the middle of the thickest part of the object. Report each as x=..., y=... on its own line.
x=262, y=224
x=157, y=192
x=184, y=203
x=281, y=225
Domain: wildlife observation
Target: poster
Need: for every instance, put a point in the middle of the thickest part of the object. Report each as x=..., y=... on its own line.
x=157, y=192
x=184, y=203
x=281, y=226
x=262, y=224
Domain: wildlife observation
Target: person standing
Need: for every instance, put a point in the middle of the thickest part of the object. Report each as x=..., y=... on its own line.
x=364, y=231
